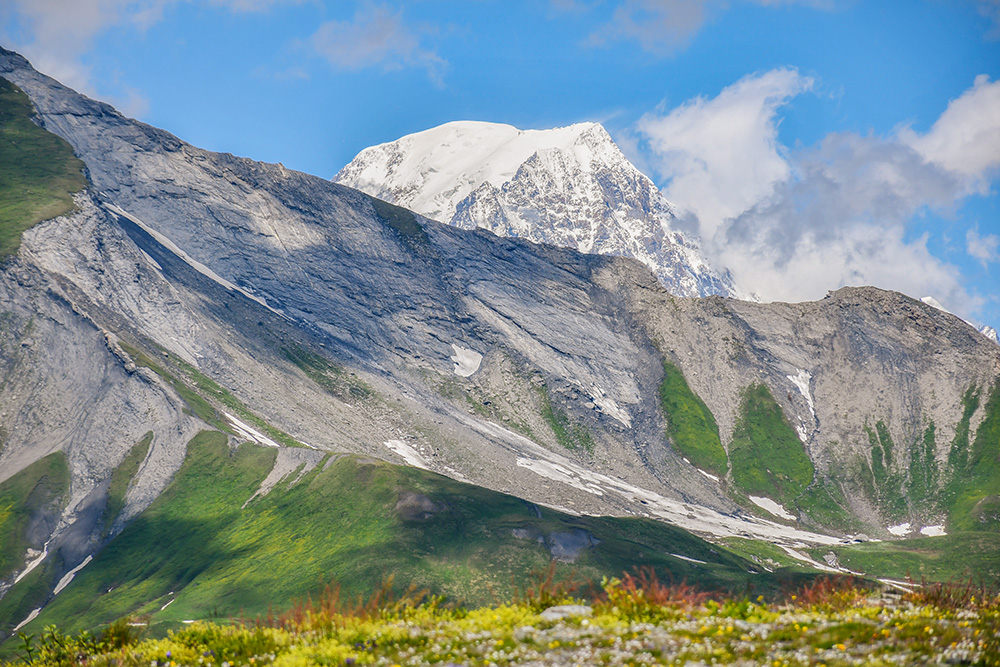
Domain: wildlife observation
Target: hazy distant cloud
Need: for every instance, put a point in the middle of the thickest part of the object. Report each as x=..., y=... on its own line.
x=662, y=27
x=719, y=157
x=991, y=10
x=984, y=248
x=249, y=6
x=55, y=34
x=791, y=225
x=375, y=37
x=659, y=26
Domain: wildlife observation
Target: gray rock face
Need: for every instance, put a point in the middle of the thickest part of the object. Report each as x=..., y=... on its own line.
x=336, y=318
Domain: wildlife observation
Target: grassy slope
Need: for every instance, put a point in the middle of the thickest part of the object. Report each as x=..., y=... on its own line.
x=973, y=494
x=37, y=490
x=961, y=556
x=121, y=478
x=768, y=458
x=691, y=425
x=38, y=171
x=196, y=545
x=39, y=487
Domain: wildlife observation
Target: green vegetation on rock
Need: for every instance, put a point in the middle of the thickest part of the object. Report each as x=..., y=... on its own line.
x=887, y=483
x=824, y=505
x=768, y=459
x=571, y=436
x=974, y=489
x=122, y=478
x=691, y=425
x=209, y=387
x=922, y=483
x=334, y=379
x=197, y=404
x=958, y=455
x=195, y=390
x=400, y=219
x=38, y=171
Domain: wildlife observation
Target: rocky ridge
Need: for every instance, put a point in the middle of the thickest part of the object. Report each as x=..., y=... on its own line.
x=570, y=187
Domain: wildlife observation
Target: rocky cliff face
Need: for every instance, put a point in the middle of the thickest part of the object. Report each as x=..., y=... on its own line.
x=193, y=290
x=570, y=187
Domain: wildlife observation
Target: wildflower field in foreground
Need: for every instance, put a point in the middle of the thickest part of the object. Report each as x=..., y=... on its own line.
x=632, y=621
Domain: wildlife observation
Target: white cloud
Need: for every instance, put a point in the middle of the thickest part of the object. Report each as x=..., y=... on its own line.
x=842, y=219
x=984, y=248
x=721, y=156
x=966, y=138
x=375, y=37
x=792, y=225
x=55, y=34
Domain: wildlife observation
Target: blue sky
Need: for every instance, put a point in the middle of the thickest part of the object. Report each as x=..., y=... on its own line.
x=811, y=144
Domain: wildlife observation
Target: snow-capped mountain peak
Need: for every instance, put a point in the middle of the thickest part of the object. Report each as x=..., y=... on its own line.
x=569, y=186
x=990, y=333
x=432, y=171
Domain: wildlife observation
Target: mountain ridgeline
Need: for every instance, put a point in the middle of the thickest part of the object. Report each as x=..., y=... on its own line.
x=571, y=187
x=206, y=362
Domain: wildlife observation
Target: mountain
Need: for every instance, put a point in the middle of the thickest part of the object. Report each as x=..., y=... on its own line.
x=570, y=187
x=205, y=362
x=990, y=333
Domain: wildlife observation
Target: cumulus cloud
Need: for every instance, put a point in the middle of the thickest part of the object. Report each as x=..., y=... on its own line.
x=842, y=219
x=966, y=138
x=375, y=37
x=984, y=248
x=792, y=225
x=719, y=157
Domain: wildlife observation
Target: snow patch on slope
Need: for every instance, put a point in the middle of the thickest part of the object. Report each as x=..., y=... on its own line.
x=900, y=529
x=249, y=432
x=466, y=361
x=801, y=380
x=558, y=468
x=68, y=577
x=35, y=562
x=32, y=616
x=608, y=406
x=407, y=453
x=768, y=505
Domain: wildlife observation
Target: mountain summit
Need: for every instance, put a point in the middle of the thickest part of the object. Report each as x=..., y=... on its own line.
x=569, y=186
